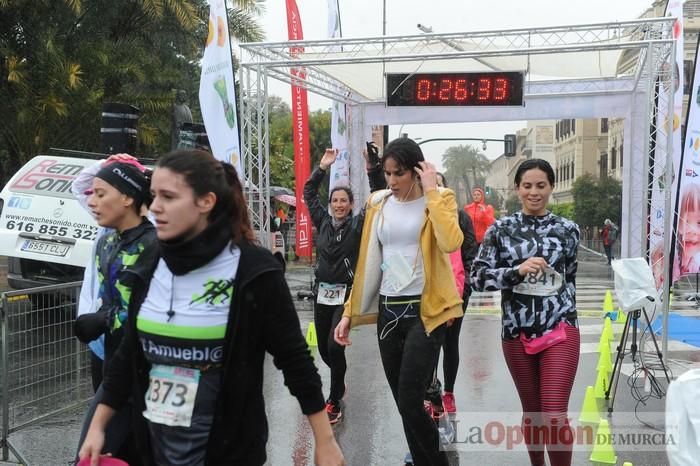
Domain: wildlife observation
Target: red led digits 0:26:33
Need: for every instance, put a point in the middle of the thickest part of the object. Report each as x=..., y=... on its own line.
x=455, y=89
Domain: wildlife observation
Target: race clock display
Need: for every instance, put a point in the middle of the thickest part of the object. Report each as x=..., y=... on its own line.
x=454, y=89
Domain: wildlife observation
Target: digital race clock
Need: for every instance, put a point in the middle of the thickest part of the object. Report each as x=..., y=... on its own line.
x=456, y=89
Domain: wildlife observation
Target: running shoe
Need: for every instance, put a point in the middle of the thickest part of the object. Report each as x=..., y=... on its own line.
x=334, y=410
x=428, y=406
x=448, y=400
x=438, y=411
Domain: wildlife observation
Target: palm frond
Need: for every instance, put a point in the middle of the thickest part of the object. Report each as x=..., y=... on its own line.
x=152, y=8
x=256, y=7
x=15, y=69
x=75, y=6
x=244, y=27
x=147, y=134
x=74, y=74
x=185, y=13
x=52, y=103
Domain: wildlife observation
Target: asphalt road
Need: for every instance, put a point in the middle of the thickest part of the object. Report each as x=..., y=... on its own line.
x=371, y=432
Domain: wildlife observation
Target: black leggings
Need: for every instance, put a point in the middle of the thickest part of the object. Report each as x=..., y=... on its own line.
x=408, y=356
x=95, y=371
x=326, y=318
x=450, y=358
x=119, y=439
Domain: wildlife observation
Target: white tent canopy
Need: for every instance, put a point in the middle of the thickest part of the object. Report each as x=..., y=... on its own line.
x=358, y=65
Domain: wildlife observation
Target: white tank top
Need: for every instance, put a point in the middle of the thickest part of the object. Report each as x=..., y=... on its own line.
x=398, y=231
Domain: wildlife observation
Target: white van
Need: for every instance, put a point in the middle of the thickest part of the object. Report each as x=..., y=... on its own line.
x=44, y=232
x=46, y=235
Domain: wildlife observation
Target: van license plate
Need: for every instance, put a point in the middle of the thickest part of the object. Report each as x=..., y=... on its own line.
x=45, y=247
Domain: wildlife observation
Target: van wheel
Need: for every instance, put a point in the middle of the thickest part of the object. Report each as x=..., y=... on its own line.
x=281, y=260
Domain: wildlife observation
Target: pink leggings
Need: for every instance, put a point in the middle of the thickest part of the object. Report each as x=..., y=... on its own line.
x=544, y=382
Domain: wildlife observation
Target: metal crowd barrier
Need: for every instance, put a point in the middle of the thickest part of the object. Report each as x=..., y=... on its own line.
x=44, y=370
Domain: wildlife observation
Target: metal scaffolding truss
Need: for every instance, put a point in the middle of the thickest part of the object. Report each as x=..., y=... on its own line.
x=650, y=39
x=351, y=70
x=317, y=56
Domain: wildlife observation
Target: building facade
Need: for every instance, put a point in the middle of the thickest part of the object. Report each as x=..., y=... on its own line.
x=579, y=146
x=534, y=141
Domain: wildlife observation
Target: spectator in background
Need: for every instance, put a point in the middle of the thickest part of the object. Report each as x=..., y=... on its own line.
x=609, y=235
x=482, y=214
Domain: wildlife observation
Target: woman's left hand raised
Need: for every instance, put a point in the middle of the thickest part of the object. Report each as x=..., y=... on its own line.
x=428, y=176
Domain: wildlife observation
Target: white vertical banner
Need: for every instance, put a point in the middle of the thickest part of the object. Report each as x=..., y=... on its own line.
x=358, y=135
x=687, y=257
x=666, y=126
x=340, y=170
x=217, y=96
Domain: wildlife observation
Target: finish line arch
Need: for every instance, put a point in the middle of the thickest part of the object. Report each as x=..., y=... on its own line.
x=570, y=71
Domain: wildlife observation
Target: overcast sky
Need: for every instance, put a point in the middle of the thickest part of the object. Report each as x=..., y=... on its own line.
x=363, y=18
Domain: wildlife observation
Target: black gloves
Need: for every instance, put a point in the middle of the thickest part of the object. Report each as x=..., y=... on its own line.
x=372, y=154
x=89, y=327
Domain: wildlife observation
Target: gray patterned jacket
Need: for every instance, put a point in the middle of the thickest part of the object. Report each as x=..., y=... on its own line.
x=508, y=243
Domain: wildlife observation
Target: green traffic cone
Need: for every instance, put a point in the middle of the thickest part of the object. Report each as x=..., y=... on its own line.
x=608, y=330
x=608, y=302
x=604, y=341
x=601, y=384
x=603, y=451
x=311, y=339
x=604, y=360
x=589, y=411
x=621, y=317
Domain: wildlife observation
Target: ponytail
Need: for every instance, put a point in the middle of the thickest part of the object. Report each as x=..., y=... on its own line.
x=205, y=174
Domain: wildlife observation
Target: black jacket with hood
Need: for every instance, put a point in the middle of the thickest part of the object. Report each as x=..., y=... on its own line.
x=262, y=319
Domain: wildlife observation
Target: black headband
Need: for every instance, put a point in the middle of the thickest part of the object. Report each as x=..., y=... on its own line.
x=127, y=179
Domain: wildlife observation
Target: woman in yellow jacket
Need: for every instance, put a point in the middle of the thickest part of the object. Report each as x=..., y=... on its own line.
x=404, y=283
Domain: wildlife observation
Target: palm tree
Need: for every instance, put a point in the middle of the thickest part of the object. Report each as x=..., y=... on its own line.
x=465, y=163
x=61, y=60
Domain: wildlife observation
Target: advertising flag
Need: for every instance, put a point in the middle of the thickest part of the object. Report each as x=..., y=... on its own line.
x=666, y=126
x=300, y=133
x=217, y=97
x=687, y=256
x=340, y=170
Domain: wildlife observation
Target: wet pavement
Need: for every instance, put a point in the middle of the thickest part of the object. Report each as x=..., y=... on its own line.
x=371, y=432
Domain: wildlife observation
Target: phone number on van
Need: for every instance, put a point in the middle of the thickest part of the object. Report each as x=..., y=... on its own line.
x=53, y=230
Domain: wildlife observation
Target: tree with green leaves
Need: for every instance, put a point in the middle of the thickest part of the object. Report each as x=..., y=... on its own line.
x=513, y=204
x=63, y=59
x=565, y=209
x=596, y=200
x=281, y=143
x=465, y=163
